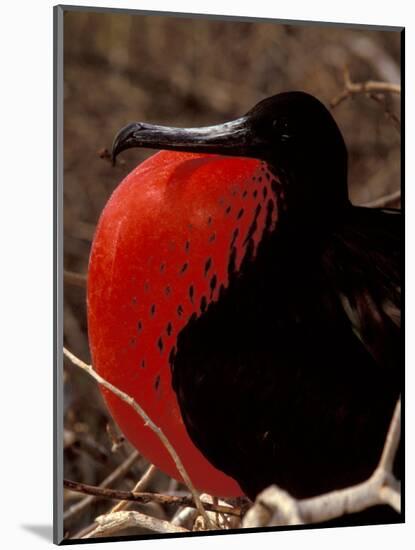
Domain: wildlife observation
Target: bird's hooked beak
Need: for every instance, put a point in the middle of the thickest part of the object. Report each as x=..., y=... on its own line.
x=232, y=138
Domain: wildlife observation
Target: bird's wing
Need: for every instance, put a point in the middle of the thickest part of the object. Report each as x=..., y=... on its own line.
x=363, y=261
x=285, y=365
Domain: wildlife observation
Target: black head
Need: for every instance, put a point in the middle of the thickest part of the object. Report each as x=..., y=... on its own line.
x=293, y=125
x=298, y=136
x=293, y=132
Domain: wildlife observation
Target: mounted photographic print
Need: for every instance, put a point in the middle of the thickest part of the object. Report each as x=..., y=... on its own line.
x=229, y=250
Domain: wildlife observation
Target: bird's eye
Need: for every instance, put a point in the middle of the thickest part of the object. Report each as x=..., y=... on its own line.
x=282, y=127
x=280, y=124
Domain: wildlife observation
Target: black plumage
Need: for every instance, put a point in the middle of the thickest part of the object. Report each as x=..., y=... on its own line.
x=292, y=376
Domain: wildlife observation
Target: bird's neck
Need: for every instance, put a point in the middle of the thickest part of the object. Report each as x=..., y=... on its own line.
x=314, y=190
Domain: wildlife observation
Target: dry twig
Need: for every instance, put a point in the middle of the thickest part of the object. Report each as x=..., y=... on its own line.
x=222, y=515
x=276, y=507
x=114, y=476
x=139, y=487
x=113, y=523
x=185, y=517
x=148, y=422
x=386, y=200
x=370, y=86
x=116, y=440
x=388, y=113
x=74, y=279
x=145, y=498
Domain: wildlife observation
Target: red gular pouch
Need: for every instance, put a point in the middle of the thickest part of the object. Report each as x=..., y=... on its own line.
x=161, y=256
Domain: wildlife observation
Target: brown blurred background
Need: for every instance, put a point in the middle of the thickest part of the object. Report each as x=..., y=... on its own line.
x=190, y=72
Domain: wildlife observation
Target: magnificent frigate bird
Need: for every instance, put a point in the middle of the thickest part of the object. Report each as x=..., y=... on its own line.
x=237, y=293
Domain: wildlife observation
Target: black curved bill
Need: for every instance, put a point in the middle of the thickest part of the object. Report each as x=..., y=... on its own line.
x=230, y=138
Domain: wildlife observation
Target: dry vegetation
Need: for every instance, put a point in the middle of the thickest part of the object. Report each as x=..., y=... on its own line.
x=188, y=72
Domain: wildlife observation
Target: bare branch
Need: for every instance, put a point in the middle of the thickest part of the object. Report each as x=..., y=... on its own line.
x=74, y=279
x=370, y=86
x=139, y=487
x=145, y=498
x=222, y=519
x=383, y=202
x=111, y=524
x=388, y=113
x=392, y=441
x=148, y=422
x=185, y=517
x=116, y=440
x=114, y=476
x=273, y=506
x=276, y=507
